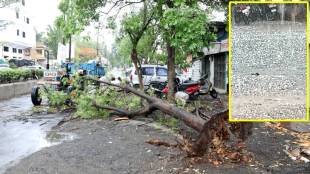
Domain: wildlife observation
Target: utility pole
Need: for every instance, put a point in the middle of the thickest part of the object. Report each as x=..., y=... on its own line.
x=70, y=48
x=97, y=47
x=48, y=59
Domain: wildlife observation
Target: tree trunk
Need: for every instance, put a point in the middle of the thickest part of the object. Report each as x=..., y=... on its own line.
x=134, y=58
x=216, y=125
x=171, y=71
x=188, y=118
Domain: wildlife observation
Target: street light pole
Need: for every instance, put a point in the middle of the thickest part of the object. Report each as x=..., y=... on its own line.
x=48, y=59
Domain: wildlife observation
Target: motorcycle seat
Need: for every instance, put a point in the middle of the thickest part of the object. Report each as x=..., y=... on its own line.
x=189, y=84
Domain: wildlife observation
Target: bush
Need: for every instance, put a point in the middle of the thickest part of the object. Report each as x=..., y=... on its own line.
x=15, y=75
x=57, y=98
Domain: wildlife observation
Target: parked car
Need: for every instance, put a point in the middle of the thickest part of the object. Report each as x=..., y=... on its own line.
x=150, y=73
x=35, y=67
x=22, y=62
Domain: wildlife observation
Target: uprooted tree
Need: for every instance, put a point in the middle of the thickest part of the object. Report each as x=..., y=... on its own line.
x=207, y=129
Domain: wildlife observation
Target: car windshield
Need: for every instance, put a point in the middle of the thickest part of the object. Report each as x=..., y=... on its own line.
x=161, y=72
x=148, y=71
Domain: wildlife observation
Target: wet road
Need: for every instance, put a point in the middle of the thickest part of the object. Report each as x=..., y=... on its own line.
x=22, y=132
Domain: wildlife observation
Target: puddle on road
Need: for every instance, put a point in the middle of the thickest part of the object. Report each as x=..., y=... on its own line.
x=19, y=139
x=13, y=107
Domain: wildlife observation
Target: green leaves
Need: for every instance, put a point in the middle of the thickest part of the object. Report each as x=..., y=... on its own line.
x=54, y=36
x=186, y=29
x=74, y=17
x=14, y=75
x=106, y=97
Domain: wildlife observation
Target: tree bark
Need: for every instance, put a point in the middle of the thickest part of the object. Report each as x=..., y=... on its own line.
x=189, y=119
x=171, y=71
x=210, y=128
x=134, y=58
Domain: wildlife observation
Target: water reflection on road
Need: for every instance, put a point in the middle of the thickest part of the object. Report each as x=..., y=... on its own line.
x=21, y=135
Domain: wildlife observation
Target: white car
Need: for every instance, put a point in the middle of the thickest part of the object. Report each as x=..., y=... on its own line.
x=35, y=67
x=4, y=66
x=150, y=73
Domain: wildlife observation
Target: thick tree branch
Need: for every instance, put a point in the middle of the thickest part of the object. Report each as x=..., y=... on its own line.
x=122, y=112
x=118, y=4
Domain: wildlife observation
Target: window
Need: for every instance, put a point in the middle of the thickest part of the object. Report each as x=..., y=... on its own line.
x=6, y=49
x=23, y=2
x=24, y=34
x=27, y=20
x=14, y=50
x=6, y=57
x=39, y=51
x=148, y=71
x=14, y=57
x=17, y=32
x=17, y=14
x=161, y=71
x=20, y=51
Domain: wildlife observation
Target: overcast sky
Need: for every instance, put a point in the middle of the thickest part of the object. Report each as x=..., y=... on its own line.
x=44, y=13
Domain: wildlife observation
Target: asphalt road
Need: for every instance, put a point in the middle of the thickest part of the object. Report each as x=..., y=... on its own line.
x=22, y=132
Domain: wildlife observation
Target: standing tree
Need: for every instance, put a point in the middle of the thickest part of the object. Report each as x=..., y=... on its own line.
x=135, y=26
x=182, y=24
x=54, y=36
x=71, y=21
x=184, y=29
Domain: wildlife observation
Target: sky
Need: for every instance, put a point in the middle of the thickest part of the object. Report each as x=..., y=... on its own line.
x=42, y=13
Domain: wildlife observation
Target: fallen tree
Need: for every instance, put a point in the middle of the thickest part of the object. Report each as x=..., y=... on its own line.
x=215, y=125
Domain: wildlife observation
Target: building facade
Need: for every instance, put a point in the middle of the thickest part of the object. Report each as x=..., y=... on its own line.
x=39, y=54
x=215, y=60
x=17, y=34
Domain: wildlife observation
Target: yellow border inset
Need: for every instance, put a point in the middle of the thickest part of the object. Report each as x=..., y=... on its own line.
x=230, y=60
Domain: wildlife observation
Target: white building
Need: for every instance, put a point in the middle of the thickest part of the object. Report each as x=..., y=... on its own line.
x=63, y=52
x=18, y=36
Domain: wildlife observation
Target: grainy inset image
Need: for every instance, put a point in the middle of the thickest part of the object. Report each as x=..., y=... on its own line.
x=268, y=61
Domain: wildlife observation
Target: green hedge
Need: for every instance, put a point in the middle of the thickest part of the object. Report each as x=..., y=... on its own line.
x=15, y=75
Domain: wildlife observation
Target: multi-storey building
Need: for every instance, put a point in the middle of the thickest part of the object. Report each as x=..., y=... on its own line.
x=17, y=34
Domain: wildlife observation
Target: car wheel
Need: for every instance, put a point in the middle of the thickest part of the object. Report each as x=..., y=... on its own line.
x=213, y=93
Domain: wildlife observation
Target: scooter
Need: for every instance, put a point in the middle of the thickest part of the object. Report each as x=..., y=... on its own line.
x=194, y=89
x=272, y=12
x=242, y=13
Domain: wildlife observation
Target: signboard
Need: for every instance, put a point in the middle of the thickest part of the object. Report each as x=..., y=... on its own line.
x=50, y=75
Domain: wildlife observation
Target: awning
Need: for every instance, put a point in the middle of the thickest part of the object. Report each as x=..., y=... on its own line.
x=216, y=47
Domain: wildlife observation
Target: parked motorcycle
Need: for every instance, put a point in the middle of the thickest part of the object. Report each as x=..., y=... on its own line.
x=242, y=13
x=156, y=87
x=272, y=12
x=201, y=87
